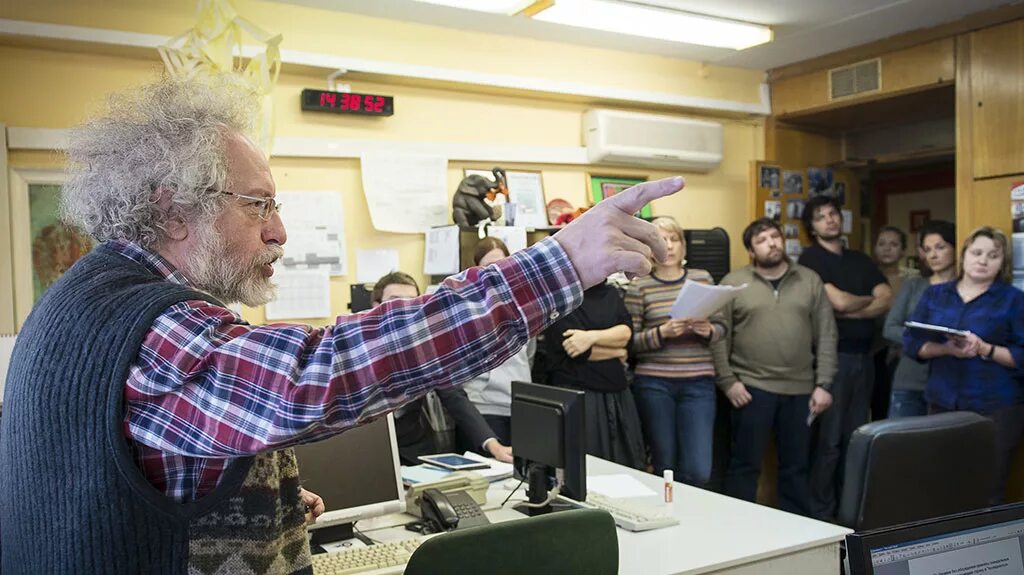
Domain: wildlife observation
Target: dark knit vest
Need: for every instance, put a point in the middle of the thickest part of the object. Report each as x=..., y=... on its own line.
x=72, y=499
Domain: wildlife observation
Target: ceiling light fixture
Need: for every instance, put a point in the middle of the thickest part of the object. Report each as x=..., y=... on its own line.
x=652, y=22
x=493, y=6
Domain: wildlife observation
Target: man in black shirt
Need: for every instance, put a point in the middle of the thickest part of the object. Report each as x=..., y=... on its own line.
x=858, y=293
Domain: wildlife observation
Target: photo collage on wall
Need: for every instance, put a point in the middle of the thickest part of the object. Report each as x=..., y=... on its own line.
x=787, y=198
x=1017, y=215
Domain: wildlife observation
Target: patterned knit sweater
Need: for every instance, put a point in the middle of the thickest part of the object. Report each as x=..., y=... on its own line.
x=649, y=300
x=72, y=499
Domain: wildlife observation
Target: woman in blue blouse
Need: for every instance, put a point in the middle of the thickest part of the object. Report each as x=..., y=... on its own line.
x=977, y=372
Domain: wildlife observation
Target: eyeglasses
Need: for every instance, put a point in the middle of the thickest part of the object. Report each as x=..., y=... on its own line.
x=268, y=206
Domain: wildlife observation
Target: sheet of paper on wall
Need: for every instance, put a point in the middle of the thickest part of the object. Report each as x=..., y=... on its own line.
x=513, y=236
x=371, y=265
x=406, y=193
x=6, y=349
x=316, y=231
x=526, y=190
x=699, y=300
x=441, y=256
x=847, y=221
x=301, y=294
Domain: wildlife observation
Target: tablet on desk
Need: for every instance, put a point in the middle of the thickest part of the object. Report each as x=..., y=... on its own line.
x=453, y=461
x=936, y=328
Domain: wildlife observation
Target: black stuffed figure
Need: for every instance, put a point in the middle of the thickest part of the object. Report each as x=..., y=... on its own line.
x=468, y=206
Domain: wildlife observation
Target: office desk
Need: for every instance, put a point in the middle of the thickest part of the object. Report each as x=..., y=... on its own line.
x=716, y=534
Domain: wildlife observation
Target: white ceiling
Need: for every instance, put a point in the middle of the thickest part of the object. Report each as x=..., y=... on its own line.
x=803, y=28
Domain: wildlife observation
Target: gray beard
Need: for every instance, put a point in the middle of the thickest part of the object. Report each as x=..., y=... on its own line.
x=216, y=272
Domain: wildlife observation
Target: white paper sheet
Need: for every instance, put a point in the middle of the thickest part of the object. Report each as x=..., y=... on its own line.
x=496, y=472
x=371, y=265
x=698, y=300
x=6, y=349
x=316, y=231
x=526, y=190
x=406, y=193
x=441, y=256
x=847, y=221
x=301, y=294
x=513, y=236
x=618, y=485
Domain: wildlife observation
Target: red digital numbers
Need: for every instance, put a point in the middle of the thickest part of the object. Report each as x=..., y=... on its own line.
x=368, y=104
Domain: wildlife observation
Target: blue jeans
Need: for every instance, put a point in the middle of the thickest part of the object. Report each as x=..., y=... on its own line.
x=907, y=403
x=752, y=426
x=678, y=417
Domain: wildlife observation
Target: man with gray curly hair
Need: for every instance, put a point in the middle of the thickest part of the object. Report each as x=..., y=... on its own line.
x=155, y=423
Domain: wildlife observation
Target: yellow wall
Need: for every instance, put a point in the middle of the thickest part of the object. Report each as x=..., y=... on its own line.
x=425, y=113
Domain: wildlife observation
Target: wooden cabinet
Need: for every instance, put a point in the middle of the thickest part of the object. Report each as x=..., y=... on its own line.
x=997, y=100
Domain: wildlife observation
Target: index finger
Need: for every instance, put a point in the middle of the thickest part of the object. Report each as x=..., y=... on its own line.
x=631, y=200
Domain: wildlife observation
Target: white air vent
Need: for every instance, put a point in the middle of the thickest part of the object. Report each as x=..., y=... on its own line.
x=646, y=140
x=855, y=79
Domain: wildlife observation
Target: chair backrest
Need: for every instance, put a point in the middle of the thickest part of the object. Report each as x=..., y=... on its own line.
x=913, y=468
x=576, y=541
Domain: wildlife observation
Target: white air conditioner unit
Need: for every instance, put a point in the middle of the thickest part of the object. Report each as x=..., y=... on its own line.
x=651, y=141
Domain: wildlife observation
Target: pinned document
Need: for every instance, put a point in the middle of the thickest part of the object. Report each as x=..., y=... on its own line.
x=697, y=300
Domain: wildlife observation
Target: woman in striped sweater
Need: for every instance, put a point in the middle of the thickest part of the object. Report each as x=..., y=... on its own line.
x=675, y=374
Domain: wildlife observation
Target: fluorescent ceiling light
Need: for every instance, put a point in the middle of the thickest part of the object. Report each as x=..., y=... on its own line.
x=495, y=6
x=651, y=22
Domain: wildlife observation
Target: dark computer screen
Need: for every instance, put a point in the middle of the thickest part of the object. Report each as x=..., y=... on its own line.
x=988, y=541
x=356, y=473
x=548, y=430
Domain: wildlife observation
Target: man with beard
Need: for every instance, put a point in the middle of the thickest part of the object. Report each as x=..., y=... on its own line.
x=147, y=428
x=775, y=365
x=859, y=294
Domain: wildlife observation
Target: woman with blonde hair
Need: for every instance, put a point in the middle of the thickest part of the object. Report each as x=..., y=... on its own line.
x=977, y=371
x=675, y=373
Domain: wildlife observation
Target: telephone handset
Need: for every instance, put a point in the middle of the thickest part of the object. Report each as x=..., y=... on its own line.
x=454, y=510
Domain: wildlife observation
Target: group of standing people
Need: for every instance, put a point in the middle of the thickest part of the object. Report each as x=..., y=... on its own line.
x=802, y=354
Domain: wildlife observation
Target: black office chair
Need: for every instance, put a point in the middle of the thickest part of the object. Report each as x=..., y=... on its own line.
x=577, y=541
x=913, y=468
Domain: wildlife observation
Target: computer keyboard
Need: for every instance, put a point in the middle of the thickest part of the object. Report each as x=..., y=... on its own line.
x=631, y=515
x=380, y=559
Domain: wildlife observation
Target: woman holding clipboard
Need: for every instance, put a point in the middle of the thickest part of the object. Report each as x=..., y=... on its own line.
x=976, y=371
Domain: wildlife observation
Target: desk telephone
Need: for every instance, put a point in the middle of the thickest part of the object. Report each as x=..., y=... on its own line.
x=450, y=503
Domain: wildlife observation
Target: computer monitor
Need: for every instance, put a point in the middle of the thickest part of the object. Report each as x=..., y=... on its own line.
x=356, y=473
x=549, y=439
x=988, y=541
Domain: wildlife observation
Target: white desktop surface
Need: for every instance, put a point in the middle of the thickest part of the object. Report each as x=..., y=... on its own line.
x=716, y=534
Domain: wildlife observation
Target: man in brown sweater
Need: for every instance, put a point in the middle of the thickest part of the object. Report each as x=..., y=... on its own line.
x=775, y=365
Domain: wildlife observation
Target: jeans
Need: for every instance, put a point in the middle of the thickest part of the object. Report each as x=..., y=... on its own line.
x=851, y=402
x=678, y=417
x=907, y=403
x=752, y=426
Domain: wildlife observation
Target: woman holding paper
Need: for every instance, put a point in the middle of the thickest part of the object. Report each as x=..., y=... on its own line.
x=978, y=371
x=675, y=373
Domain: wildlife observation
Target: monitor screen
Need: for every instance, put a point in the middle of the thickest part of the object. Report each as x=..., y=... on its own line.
x=356, y=473
x=988, y=541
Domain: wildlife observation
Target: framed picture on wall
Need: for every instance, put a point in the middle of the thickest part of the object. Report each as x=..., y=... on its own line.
x=526, y=191
x=42, y=247
x=918, y=218
x=602, y=187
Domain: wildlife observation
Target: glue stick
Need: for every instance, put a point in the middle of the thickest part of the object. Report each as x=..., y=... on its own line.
x=668, y=485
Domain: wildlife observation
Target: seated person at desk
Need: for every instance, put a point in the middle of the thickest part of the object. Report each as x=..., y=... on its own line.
x=157, y=424
x=415, y=435
x=587, y=350
x=976, y=372
x=491, y=392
